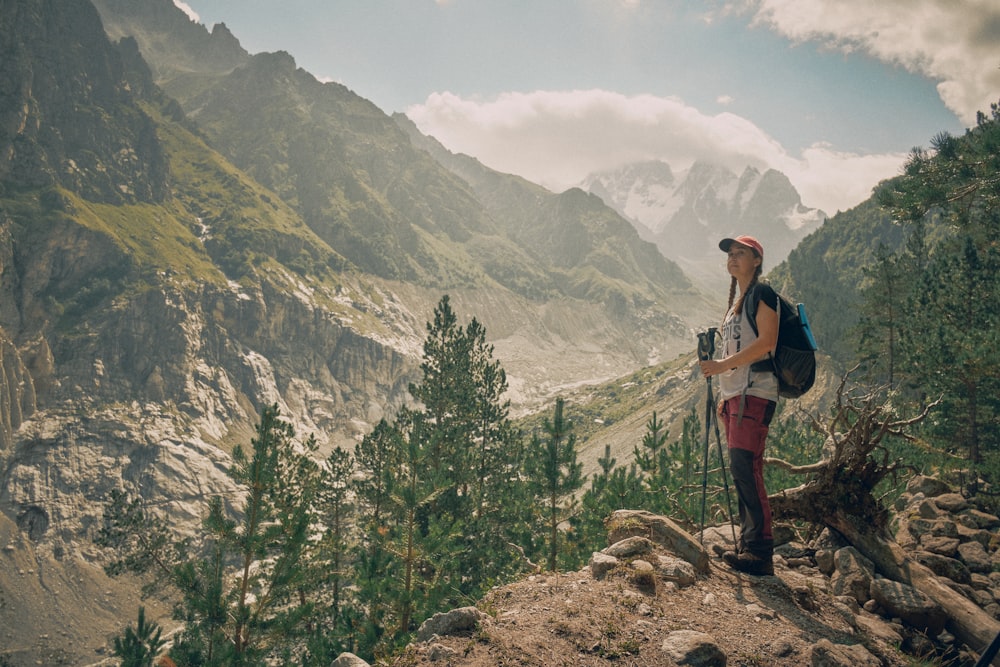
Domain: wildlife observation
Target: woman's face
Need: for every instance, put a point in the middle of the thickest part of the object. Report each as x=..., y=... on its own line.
x=742, y=262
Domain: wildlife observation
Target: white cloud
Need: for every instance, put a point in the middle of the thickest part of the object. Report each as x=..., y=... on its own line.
x=954, y=42
x=725, y=100
x=834, y=180
x=186, y=8
x=558, y=138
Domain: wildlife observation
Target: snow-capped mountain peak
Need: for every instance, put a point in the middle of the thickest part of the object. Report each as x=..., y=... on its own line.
x=686, y=212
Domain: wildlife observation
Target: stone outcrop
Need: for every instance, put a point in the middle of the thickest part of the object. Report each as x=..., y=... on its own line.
x=954, y=537
x=463, y=619
x=659, y=529
x=689, y=647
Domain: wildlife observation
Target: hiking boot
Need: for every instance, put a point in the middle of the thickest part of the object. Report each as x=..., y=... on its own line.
x=749, y=563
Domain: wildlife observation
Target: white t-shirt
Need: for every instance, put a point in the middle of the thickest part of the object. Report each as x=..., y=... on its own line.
x=737, y=334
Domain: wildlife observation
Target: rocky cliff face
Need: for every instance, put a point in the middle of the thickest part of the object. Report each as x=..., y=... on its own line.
x=150, y=386
x=61, y=115
x=127, y=355
x=188, y=52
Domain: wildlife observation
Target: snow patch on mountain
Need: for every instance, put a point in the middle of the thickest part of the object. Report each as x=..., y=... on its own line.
x=686, y=212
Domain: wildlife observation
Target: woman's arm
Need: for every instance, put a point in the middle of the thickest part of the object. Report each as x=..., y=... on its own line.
x=767, y=340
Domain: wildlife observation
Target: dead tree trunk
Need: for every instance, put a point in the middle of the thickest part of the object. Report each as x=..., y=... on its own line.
x=839, y=496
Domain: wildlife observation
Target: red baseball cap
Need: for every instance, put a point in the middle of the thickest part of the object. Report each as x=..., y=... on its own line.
x=748, y=241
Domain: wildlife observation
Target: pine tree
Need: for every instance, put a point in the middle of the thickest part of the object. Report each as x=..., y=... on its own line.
x=649, y=458
x=954, y=352
x=446, y=391
x=626, y=488
x=231, y=623
x=556, y=475
x=682, y=452
x=138, y=647
x=654, y=462
x=588, y=532
x=416, y=540
x=493, y=433
x=378, y=458
x=474, y=453
x=949, y=343
x=205, y=610
x=336, y=515
x=881, y=313
x=269, y=539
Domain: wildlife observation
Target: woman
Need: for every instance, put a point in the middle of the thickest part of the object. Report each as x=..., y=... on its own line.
x=747, y=399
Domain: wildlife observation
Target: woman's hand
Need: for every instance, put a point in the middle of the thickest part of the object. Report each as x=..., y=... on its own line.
x=712, y=367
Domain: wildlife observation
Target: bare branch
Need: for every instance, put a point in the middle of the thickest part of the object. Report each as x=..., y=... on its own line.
x=797, y=469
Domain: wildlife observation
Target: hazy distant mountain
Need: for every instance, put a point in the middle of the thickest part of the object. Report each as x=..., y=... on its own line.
x=686, y=213
x=174, y=46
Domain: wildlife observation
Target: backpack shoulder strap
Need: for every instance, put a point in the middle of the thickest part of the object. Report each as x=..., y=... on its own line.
x=754, y=296
x=750, y=302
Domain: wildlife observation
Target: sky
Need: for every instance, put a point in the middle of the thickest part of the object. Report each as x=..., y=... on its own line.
x=833, y=93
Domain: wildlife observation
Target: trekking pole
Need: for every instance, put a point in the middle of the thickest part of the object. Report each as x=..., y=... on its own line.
x=706, y=351
x=722, y=464
x=987, y=657
x=704, y=476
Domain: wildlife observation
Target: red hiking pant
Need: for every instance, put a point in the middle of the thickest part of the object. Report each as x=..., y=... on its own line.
x=746, y=435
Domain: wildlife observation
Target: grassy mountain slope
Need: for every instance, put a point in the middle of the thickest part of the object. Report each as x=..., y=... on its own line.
x=346, y=168
x=596, y=252
x=360, y=183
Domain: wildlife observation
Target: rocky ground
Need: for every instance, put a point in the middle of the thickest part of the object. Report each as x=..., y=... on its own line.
x=549, y=620
x=60, y=608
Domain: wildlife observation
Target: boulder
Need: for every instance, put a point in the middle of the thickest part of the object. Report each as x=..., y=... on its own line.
x=348, y=660
x=951, y=502
x=929, y=486
x=943, y=566
x=852, y=574
x=907, y=603
x=937, y=544
x=601, y=564
x=697, y=649
x=676, y=570
x=463, y=619
x=975, y=557
x=827, y=654
x=630, y=546
x=661, y=530
x=942, y=527
x=642, y=575
x=978, y=519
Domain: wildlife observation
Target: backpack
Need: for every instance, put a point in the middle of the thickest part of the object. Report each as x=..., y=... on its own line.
x=794, y=358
